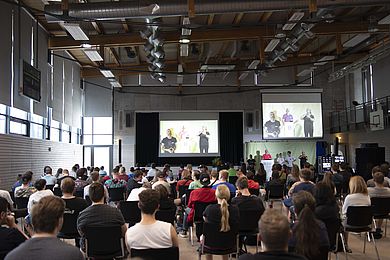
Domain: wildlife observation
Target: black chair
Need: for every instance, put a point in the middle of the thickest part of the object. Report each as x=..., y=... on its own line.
x=130, y=211
x=381, y=210
x=233, y=179
x=50, y=187
x=275, y=193
x=335, y=231
x=199, y=208
x=359, y=220
x=116, y=194
x=249, y=226
x=97, y=246
x=218, y=243
x=149, y=178
x=173, y=194
x=166, y=215
x=255, y=192
x=79, y=193
x=322, y=253
x=182, y=190
x=58, y=192
x=21, y=202
x=171, y=253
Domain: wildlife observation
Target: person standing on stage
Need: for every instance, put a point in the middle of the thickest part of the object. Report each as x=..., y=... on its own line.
x=251, y=162
x=258, y=159
x=204, y=140
x=280, y=159
x=272, y=126
x=168, y=143
x=308, y=120
x=289, y=160
x=302, y=159
x=266, y=155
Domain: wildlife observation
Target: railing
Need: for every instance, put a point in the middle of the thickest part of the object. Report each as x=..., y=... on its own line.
x=358, y=117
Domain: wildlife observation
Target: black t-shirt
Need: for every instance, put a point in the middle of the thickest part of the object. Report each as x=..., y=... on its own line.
x=273, y=128
x=213, y=214
x=10, y=238
x=132, y=184
x=272, y=256
x=167, y=204
x=169, y=142
x=251, y=202
x=72, y=209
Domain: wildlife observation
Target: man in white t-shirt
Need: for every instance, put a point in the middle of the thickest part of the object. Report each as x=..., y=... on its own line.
x=34, y=198
x=290, y=160
x=152, y=171
x=150, y=233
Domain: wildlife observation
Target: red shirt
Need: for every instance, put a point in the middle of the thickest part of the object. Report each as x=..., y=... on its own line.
x=253, y=185
x=267, y=156
x=183, y=183
x=200, y=195
x=123, y=177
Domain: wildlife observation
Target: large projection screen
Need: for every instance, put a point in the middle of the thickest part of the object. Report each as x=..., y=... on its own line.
x=187, y=134
x=293, y=115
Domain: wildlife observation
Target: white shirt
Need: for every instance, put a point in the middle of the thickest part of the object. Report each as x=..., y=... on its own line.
x=290, y=160
x=86, y=191
x=5, y=194
x=164, y=183
x=280, y=160
x=73, y=174
x=152, y=172
x=50, y=179
x=35, y=197
x=355, y=199
x=133, y=196
x=156, y=235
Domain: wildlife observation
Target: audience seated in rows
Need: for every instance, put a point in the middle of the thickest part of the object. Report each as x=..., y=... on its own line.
x=304, y=183
x=40, y=186
x=65, y=174
x=371, y=182
x=161, y=180
x=115, y=182
x=309, y=235
x=379, y=191
x=81, y=180
x=358, y=197
x=11, y=235
x=165, y=203
x=99, y=214
x=275, y=232
x=251, y=183
x=195, y=184
x=134, y=182
x=48, y=177
x=26, y=189
x=47, y=218
x=223, y=180
x=185, y=179
x=95, y=178
x=222, y=214
x=244, y=200
x=150, y=233
x=133, y=196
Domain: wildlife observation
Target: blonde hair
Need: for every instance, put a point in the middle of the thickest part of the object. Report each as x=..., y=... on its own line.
x=357, y=185
x=223, y=193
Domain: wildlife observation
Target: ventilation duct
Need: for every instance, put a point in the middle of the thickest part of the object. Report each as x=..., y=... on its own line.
x=159, y=8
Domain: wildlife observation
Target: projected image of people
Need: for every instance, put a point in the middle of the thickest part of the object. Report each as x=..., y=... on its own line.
x=168, y=143
x=204, y=140
x=288, y=123
x=308, y=123
x=272, y=126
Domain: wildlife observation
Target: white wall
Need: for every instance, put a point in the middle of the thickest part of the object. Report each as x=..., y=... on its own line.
x=20, y=154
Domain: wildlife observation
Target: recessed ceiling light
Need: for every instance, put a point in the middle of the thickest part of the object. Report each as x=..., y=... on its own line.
x=184, y=41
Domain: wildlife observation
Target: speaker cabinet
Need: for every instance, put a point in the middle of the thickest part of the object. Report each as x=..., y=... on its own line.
x=249, y=119
x=367, y=158
x=129, y=119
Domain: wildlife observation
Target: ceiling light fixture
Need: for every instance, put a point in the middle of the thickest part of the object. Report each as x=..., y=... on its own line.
x=272, y=45
x=93, y=55
x=75, y=30
x=184, y=41
x=107, y=73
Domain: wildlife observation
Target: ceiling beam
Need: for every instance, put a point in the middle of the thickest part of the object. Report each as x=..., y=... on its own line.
x=325, y=44
x=210, y=19
x=100, y=30
x=238, y=18
x=307, y=44
x=264, y=18
x=134, y=39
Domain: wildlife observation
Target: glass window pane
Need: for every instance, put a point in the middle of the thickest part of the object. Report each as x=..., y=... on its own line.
x=102, y=139
x=2, y=124
x=102, y=125
x=65, y=127
x=87, y=156
x=55, y=134
x=65, y=137
x=55, y=124
x=74, y=138
x=36, y=131
x=87, y=125
x=36, y=119
x=87, y=139
x=17, y=113
x=17, y=128
x=3, y=109
x=101, y=157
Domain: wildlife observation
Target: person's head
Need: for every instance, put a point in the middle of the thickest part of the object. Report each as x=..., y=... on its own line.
x=306, y=165
x=185, y=174
x=335, y=167
x=287, y=111
x=115, y=170
x=40, y=184
x=266, y=151
x=162, y=191
x=102, y=168
x=5, y=208
x=274, y=230
x=272, y=115
x=328, y=180
x=223, y=195
x=153, y=165
x=384, y=168
x=250, y=175
x=288, y=153
x=204, y=179
x=195, y=175
x=214, y=174
x=308, y=110
x=189, y=167
x=357, y=185
x=59, y=172
x=47, y=170
x=67, y=186
x=47, y=215
x=27, y=177
x=250, y=156
x=149, y=201
x=275, y=175
x=95, y=176
x=81, y=172
x=65, y=172
x=295, y=171
x=343, y=166
x=122, y=170
x=138, y=175
x=231, y=166
x=132, y=169
x=223, y=175
x=307, y=229
x=303, y=153
x=169, y=132
x=305, y=174
x=323, y=194
x=379, y=179
x=276, y=167
x=242, y=183
x=96, y=192
x=161, y=175
x=74, y=168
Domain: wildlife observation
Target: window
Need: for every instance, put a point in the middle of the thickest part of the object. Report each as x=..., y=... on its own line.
x=3, y=123
x=74, y=138
x=97, y=130
x=102, y=139
x=102, y=125
x=3, y=109
x=87, y=125
x=36, y=119
x=55, y=134
x=18, y=127
x=87, y=139
x=17, y=113
x=65, y=136
x=36, y=131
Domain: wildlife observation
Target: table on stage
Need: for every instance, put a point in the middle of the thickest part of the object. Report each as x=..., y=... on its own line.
x=268, y=167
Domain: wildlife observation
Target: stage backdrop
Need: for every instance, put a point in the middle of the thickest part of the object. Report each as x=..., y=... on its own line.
x=274, y=147
x=147, y=140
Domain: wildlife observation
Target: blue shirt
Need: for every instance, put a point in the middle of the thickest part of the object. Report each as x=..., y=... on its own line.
x=229, y=185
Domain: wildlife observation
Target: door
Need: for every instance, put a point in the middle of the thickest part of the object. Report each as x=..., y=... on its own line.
x=98, y=155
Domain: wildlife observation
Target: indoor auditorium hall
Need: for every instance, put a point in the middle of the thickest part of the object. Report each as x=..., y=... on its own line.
x=195, y=129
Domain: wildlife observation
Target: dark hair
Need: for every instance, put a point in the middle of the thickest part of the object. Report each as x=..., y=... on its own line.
x=343, y=166
x=4, y=205
x=384, y=168
x=67, y=185
x=59, y=172
x=96, y=169
x=328, y=180
x=40, y=184
x=137, y=174
x=47, y=168
x=153, y=165
x=81, y=172
x=323, y=194
x=275, y=175
x=96, y=192
x=250, y=175
x=306, y=230
x=162, y=191
x=242, y=183
x=74, y=168
x=276, y=167
x=27, y=177
x=196, y=174
x=305, y=174
x=375, y=169
x=95, y=176
x=102, y=168
x=46, y=214
x=149, y=201
x=378, y=177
